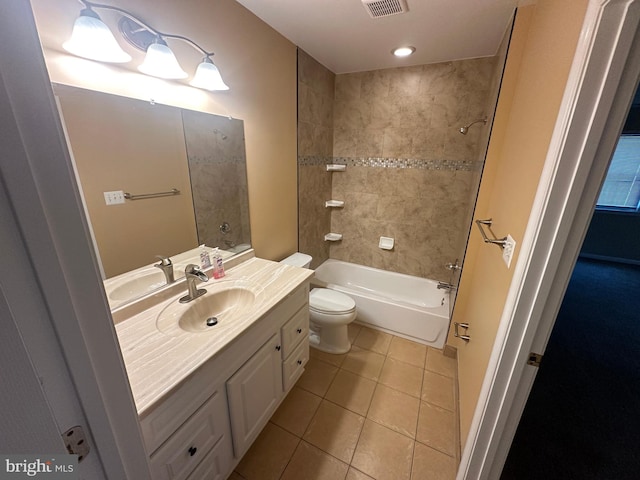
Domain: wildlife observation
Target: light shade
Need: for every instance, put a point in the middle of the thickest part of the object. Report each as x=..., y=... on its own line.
x=92, y=39
x=161, y=62
x=208, y=76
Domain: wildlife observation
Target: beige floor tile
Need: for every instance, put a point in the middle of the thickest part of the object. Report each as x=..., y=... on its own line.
x=407, y=351
x=436, y=428
x=351, y=391
x=317, y=376
x=354, y=330
x=383, y=454
x=395, y=410
x=438, y=363
x=373, y=340
x=296, y=411
x=354, y=474
x=402, y=376
x=431, y=464
x=332, y=358
x=364, y=363
x=438, y=390
x=311, y=463
x=269, y=454
x=335, y=430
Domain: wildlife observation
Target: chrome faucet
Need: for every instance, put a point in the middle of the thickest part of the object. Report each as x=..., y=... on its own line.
x=446, y=286
x=192, y=274
x=167, y=268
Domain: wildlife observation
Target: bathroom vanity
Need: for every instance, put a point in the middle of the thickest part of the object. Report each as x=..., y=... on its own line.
x=203, y=394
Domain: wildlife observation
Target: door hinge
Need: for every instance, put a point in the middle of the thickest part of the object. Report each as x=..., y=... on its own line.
x=76, y=442
x=534, y=359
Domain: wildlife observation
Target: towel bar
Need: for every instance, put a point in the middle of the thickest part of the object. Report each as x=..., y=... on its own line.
x=498, y=241
x=130, y=196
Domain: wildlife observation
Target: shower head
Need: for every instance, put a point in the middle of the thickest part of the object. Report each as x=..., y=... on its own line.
x=465, y=129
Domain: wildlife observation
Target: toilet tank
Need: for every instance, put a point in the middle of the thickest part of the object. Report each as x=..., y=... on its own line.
x=298, y=260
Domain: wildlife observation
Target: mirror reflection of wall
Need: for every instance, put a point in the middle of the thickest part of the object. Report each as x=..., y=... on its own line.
x=217, y=165
x=122, y=144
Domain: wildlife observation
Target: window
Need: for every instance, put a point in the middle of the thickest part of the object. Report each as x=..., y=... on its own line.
x=621, y=189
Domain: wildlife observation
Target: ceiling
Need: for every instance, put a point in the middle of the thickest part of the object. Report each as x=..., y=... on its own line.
x=342, y=36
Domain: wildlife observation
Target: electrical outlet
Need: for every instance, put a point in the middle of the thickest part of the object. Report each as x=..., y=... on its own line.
x=507, y=250
x=114, y=198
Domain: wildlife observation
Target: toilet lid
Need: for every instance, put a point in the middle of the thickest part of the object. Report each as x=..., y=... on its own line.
x=326, y=300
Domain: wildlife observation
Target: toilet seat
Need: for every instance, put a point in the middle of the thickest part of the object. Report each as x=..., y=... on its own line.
x=330, y=302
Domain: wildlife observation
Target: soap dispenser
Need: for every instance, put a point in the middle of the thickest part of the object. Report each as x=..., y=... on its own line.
x=205, y=260
x=218, y=266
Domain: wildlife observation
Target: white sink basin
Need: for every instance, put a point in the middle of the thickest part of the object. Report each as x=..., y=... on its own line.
x=138, y=285
x=224, y=303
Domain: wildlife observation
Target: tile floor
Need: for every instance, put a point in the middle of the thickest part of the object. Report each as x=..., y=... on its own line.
x=384, y=411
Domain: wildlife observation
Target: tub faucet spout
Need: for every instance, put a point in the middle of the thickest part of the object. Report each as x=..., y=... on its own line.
x=446, y=286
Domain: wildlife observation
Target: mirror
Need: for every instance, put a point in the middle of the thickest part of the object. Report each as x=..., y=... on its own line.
x=183, y=174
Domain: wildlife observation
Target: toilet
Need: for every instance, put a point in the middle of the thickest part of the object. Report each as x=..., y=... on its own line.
x=330, y=313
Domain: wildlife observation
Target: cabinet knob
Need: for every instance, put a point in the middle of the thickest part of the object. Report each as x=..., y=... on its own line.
x=299, y=330
x=192, y=451
x=299, y=362
x=278, y=347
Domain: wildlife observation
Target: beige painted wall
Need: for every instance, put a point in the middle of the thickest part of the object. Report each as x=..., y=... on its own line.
x=257, y=63
x=538, y=63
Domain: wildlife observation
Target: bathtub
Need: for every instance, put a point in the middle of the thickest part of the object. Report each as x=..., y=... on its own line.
x=407, y=306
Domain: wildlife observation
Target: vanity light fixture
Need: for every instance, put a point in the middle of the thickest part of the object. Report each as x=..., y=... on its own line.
x=403, y=51
x=92, y=39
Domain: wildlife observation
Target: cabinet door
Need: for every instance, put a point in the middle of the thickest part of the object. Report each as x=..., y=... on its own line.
x=254, y=392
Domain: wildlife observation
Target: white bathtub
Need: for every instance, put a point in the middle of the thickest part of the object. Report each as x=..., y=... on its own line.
x=407, y=306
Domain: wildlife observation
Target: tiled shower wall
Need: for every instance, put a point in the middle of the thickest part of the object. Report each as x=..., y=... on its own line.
x=409, y=170
x=315, y=147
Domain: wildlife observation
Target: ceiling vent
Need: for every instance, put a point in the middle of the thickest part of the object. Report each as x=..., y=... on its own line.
x=384, y=8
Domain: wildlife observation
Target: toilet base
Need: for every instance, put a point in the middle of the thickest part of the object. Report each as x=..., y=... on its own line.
x=333, y=340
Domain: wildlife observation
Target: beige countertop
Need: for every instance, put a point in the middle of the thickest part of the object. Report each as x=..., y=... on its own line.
x=156, y=362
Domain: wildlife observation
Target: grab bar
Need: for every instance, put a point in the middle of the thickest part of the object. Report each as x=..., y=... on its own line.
x=498, y=241
x=142, y=196
x=466, y=338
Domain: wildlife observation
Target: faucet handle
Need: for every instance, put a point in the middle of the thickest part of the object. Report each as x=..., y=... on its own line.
x=164, y=261
x=453, y=266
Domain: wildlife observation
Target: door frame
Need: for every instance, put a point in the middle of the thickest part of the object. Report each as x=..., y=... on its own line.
x=44, y=198
x=600, y=87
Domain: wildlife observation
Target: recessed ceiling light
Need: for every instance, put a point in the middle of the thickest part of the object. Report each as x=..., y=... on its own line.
x=403, y=51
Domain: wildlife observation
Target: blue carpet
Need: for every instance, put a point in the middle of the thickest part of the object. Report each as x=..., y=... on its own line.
x=582, y=419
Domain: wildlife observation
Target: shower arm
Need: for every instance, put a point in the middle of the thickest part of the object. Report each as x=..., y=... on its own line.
x=464, y=129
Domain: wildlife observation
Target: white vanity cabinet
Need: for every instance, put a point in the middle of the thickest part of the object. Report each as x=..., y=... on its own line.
x=201, y=430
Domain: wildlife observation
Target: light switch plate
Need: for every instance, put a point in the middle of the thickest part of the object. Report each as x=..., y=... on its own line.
x=114, y=198
x=507, y=250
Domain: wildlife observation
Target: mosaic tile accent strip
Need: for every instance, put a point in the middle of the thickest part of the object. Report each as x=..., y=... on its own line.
x=417, y=163
x=216, y=160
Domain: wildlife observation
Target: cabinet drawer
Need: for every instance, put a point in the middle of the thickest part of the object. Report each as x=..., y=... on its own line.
x=293, y=367
x=217, y=463
x=186, y=448
x=294, y=331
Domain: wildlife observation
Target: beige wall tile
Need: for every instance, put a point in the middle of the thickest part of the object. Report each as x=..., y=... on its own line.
x=432, y=464
x=383, y=454
x=269, y=454
x=335, y=430
x=309, y=462
x=296, y=411
x=402, y=376
x=352, y=392
x=395, y=410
